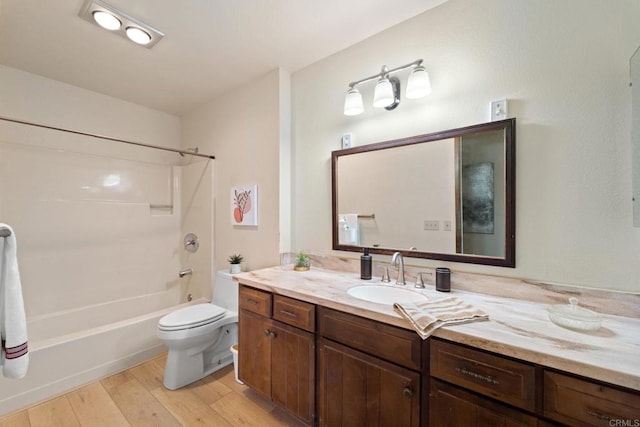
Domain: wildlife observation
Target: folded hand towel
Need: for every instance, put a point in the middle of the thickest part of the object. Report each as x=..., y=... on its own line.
x=426, y=317
x=14, y=356
x=349, y=229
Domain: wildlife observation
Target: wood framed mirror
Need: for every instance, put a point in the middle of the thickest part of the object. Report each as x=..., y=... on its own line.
x=447, y=195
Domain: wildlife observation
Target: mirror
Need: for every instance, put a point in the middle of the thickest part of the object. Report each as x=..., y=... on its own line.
x=448, y=195
x=634, y=66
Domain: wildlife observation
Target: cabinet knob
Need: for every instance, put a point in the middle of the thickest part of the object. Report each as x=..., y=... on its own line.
x=267, y=332
x=273, y=334
x=407, y=392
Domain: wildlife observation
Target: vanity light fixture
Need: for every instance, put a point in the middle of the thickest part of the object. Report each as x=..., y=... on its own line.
x=110, y=18
x=387, y=91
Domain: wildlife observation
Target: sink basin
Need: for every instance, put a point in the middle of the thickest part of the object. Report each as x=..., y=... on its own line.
x=385, y=294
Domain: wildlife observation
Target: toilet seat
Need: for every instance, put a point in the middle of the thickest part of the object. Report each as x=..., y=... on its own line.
x=191, y=317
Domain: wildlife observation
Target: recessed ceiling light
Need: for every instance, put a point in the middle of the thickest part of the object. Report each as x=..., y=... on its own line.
x=106, y=16
x=106, y=20
x=138, y=36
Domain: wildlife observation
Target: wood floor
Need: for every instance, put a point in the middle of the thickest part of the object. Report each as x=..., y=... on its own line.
x=136, y=397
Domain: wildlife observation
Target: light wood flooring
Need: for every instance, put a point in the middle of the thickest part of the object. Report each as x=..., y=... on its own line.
x=136, y=397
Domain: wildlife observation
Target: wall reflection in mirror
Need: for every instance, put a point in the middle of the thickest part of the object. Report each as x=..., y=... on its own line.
x=448, y=195
x=635, y=133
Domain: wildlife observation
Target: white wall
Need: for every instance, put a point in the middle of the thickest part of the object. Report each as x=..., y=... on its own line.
x=564, y=66
x=242, y=130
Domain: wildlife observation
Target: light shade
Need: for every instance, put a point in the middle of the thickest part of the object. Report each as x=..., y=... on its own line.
x=137, y=35
x=418, y=84
x=106, y=20
x=383, y=95
x=353, y=103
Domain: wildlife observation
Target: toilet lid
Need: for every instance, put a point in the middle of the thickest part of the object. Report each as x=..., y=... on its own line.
x=191, y=317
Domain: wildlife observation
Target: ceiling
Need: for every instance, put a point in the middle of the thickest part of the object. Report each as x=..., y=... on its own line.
x=210, y=46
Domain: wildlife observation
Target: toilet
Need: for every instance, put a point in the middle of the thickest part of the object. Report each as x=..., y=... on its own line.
x=199, y=337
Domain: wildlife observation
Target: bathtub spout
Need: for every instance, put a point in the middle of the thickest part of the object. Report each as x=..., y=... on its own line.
x=186, y=272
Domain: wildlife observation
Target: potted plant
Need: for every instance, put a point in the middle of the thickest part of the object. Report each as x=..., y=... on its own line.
x=234, y=263
x=302, y=262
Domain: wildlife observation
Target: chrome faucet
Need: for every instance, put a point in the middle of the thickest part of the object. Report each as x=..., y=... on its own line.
x=397, y=259
x=186, y=272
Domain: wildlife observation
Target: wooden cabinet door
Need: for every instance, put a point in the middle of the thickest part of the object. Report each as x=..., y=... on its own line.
x=450, y=406
x=356, y=389
x=254, y=356
x=293, y=370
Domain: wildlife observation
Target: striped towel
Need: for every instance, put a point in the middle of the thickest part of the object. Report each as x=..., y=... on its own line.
x=14, y=353
x=426, y=317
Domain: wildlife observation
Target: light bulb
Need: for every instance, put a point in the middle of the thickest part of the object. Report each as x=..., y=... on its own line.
x=106, y=20
x=418, y=84
x=383, y=94
x=353, y=103
x=138, y=36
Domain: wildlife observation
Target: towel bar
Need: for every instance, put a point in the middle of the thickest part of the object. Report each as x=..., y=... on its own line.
x=5, y=232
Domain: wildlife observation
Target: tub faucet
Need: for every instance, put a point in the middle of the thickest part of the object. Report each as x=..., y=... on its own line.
x=397, y=259
x=186, y=272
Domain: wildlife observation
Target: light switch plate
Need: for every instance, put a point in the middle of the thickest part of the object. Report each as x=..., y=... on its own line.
x=347, y=140
x=499, y=109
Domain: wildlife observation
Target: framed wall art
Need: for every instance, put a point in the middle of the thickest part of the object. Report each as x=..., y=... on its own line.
x=244, y=205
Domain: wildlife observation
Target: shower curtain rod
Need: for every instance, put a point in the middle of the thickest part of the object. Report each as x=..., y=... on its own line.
x=108, y=138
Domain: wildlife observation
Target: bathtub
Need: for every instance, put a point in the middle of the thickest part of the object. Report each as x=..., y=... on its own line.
x=73, y=347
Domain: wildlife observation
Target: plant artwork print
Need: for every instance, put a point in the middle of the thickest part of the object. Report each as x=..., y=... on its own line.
x=244, y=205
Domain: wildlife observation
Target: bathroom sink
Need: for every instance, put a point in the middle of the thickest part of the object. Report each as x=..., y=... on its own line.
x=385, y=294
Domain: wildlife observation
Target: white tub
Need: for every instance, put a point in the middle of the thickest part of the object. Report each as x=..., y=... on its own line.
x=74, y=347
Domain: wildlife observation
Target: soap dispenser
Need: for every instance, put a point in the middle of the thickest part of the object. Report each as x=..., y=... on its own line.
x=365, y=265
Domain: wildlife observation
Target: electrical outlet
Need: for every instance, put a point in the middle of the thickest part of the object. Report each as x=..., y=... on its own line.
x=499, y=110
x=446, y=225
x=347, y=140
x=432, y=225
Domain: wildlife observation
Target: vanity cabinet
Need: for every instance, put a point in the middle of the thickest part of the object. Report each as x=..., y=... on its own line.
x=368, y=372
x=477, y=388
x=333, y=368
x=576, y=401
x=277, y=349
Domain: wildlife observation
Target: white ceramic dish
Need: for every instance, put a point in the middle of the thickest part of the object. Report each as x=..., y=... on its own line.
x=574, y=317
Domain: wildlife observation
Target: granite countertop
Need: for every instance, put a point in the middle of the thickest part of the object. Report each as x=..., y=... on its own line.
x=516, y=328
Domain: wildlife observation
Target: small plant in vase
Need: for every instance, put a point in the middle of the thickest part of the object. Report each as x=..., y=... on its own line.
x=234, y=263
x=302, y=262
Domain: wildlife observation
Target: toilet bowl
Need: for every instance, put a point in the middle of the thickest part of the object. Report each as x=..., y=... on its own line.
x=199, y=337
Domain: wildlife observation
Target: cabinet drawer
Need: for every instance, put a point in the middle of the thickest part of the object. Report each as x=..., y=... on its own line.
x=453, y=406
x=378, y=339
x=295, y=313
x=491, y=375
x=576, y=401
x=256, y=301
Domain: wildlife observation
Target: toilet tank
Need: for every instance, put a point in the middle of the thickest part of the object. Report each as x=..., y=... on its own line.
x=225, y=291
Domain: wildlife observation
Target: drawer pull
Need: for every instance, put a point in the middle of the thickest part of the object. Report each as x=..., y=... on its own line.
x=289, y=313
x=252, y=301
x=486, y=378
x=599, y=416
x=407, y=392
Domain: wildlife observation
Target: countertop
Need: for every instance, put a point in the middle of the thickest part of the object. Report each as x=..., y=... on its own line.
x=516, y=328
